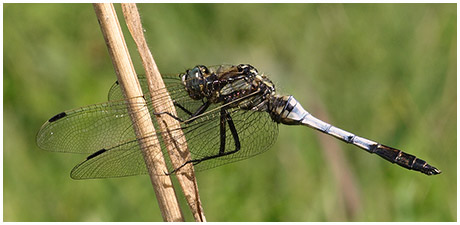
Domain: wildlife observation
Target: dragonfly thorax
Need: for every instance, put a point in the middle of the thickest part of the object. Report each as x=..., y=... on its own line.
x=240, y=85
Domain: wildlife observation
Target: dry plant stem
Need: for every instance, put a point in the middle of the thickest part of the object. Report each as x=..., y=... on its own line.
x=173, y=137
x=127, y=78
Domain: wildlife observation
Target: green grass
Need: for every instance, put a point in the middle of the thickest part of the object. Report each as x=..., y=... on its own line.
x=382, y=71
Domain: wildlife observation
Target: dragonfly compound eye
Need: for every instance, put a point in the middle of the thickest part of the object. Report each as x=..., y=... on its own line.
x=194, y=73
x=194, y=82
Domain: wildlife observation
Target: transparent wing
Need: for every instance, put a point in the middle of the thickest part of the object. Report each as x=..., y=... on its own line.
x=256, y=133
x=87, y=129
x=123, y=160
x=256, y=130
x=176, y=91
x=91, y=128
x=105, y=130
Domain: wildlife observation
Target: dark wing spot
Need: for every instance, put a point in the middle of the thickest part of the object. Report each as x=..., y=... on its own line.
x=96, y=154
x=58, y=116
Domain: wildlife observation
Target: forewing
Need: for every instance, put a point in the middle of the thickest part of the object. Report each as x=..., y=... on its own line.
x=175, y=90
x=172, y=83
x=88, y=129
x=91, y=128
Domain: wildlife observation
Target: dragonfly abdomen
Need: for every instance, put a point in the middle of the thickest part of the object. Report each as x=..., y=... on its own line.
x=388, y=153
x=287, y=110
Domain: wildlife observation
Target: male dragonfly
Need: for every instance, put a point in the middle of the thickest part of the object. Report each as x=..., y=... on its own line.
x=227, y=113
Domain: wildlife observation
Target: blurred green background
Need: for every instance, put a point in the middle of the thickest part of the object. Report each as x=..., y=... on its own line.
x=383, y=71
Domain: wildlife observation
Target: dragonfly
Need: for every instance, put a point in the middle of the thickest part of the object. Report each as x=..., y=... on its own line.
x=226, y=112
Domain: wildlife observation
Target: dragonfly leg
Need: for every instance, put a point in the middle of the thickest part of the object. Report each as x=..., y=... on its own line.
x=232, y=127
x=224, y=118
x=183, y=108
x=169, y=114
x=199, y=111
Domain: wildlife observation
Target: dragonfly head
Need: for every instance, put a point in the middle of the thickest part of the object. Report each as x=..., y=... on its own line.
x=195, y=80
x=286, y=110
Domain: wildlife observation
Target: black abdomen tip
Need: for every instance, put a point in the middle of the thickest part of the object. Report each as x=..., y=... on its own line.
x=58, y=116
x=424, y=167
x=431, y=170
